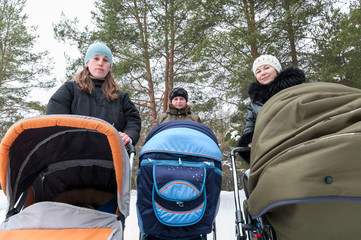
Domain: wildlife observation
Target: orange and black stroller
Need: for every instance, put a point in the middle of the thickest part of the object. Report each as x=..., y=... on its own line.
x=305, y=174
x=65, y=177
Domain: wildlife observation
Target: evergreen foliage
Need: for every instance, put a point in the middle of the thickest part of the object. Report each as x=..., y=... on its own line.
x=205, y=46
x=339, y=48
x=21, y=69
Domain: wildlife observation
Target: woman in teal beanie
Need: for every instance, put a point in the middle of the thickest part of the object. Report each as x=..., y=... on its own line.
x=95, y=93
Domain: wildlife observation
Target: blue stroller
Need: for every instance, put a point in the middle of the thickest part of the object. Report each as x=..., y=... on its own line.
x=179, y=182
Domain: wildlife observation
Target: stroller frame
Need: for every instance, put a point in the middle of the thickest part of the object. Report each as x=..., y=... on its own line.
x=246, y=226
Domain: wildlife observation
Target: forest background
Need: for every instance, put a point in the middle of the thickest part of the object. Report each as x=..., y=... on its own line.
x=205, y=46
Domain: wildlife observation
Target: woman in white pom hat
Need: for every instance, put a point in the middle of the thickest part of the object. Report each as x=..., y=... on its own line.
x=95, y=93
x=270, y=79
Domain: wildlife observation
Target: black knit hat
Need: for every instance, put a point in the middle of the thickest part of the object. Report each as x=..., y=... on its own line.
x=178, y=91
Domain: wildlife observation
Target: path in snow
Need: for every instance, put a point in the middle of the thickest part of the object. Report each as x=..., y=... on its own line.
x=225, y=221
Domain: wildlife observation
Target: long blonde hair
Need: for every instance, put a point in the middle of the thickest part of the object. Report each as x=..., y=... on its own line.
x=109, y=87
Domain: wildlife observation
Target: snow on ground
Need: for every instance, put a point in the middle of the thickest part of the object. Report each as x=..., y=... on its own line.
x=3, y=205
x=225, y=222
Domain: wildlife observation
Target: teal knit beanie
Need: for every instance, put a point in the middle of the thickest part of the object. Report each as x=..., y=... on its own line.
x=98, y=49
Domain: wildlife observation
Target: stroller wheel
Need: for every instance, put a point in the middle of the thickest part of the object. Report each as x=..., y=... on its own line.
x=262, y=230
x=142, y=236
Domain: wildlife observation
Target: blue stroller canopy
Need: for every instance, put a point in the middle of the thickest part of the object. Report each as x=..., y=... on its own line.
x=183, y=138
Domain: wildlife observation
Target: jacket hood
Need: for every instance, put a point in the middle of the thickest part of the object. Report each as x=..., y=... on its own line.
x=175, y=111
x=287, y=78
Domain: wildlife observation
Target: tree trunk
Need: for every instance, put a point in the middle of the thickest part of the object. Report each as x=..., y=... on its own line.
x=290, y=33
x=251, y=25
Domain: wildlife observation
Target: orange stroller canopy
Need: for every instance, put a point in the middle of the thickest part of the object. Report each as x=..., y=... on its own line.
x=44, y=156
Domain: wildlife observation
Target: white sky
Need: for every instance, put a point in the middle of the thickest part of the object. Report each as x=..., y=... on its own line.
x=45, y=13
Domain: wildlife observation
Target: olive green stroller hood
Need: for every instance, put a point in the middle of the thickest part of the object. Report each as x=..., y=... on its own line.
x=305, y=173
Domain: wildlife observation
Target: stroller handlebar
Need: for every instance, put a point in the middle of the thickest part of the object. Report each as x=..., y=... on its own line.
x=239, y=149
x=131, y=152
x=131, y=148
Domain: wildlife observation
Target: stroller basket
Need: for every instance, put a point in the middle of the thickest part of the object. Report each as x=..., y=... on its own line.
x=179, y=181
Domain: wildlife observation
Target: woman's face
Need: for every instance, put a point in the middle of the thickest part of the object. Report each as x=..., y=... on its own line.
x=99, y=66
x=265, y=74
x=179, y=102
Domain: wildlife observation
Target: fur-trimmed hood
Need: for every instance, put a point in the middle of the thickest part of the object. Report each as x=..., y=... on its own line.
x=175, y=111
x=174, y=114
x=287, y=78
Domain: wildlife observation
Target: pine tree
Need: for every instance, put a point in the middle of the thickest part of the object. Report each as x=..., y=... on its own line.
x=154, y=44
x=21, y=70
x=339, y=51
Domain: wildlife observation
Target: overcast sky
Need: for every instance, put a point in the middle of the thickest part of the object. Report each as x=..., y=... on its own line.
x=44, y=13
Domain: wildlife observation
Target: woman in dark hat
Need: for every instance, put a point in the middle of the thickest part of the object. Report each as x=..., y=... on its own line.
x=177, y=108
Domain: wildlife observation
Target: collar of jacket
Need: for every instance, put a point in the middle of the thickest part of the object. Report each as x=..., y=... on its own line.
x=175, y=111
x=287, y=78
x=97, y=82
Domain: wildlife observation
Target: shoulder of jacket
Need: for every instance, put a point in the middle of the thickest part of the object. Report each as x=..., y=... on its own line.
x=71, y=86
x=123, y=95
x=292, y=70
x=258, y=92
x=162, y=115
x=194, y=115
x=290, y=76
x=197, y=118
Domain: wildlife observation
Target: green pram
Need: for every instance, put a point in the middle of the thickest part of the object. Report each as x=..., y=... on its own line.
x=305, y=173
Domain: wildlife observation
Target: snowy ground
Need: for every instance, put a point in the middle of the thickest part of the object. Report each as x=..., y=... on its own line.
x=225, y=222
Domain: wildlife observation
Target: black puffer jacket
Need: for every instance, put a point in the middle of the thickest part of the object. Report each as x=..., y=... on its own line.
x=259, y=95
x=121, y=113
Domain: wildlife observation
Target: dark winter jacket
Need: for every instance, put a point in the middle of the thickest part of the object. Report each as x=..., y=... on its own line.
x=173, y=114
x=121, y=112
x=259, y=95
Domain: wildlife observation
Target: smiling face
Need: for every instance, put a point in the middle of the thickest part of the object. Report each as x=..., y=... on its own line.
x=265, y=74
x=179, y=102
x=99, y=66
